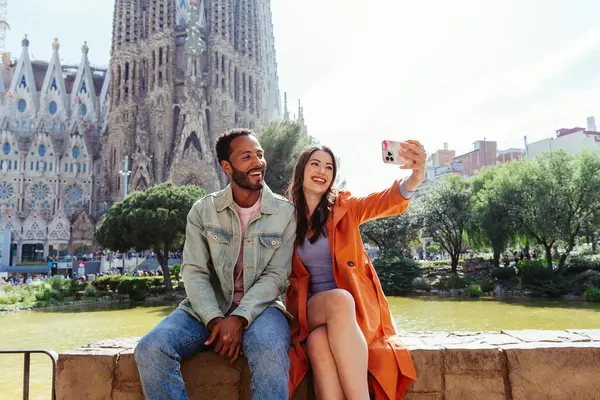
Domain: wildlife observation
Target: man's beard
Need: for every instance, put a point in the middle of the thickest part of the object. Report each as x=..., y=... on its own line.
x=242, y=178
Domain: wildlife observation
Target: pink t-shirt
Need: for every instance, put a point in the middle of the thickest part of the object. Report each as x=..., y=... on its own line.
x=245, y=214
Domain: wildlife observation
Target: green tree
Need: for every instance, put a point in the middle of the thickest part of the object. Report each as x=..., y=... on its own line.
x=555, y=193
x=493, y=223
x=393, y=235
x=282, y=142
x=444, y=213
x=152, y=219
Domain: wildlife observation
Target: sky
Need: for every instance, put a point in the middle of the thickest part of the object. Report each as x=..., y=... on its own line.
x=434, y=70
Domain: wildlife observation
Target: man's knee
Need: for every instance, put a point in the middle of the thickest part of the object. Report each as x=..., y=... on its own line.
x=150, y=347
x=268, y=342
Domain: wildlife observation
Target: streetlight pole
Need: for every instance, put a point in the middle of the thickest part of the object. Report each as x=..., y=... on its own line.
x=126, y=172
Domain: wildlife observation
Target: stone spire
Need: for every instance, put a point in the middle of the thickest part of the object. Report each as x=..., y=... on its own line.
x=286, y=113
x=300, y=119
x=53, y=103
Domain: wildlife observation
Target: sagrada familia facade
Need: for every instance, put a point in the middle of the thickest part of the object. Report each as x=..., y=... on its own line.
x=72, y=137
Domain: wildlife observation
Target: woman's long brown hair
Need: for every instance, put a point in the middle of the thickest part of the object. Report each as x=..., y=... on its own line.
x=318, y=222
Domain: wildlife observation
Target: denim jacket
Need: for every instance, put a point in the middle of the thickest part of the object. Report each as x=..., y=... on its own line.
x=212, y=244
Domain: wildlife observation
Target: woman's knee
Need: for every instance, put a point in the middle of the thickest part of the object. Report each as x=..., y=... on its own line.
x=340, y=303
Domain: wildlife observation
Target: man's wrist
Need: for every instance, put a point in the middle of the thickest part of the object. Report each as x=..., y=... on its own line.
x=211, y=324
x=243, y=320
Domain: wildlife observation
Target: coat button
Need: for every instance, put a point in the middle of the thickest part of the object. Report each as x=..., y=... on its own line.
x=350, y=264
x=273, y=243
x=215, y=237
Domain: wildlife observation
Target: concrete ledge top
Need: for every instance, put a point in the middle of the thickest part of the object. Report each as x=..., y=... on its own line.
x=525, y=339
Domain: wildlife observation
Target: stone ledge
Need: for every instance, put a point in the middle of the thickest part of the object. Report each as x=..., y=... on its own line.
x=461, y=365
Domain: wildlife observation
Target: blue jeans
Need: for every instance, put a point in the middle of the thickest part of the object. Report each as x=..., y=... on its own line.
x=179, y=336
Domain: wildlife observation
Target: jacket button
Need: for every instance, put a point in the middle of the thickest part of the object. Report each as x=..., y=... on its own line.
x=273, y=243
x=215, y=237
x=350, y=264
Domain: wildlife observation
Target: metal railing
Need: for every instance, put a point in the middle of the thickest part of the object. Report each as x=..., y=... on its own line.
x=27, y=367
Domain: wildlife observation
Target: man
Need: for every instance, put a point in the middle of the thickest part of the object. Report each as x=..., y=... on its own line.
x=236, y=259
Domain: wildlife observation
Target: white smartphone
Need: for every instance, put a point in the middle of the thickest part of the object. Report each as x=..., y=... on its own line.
x=390, y=152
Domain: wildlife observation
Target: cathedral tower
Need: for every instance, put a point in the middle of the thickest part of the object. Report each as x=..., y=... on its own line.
x=183, y=71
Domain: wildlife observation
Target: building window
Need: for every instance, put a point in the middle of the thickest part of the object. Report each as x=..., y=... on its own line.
x=42, y=150
x=22, y=105
x=52, y=107
x=31, y=166
x=6, y=149
x=66, y=167
x=75, y=152
x=51, y=167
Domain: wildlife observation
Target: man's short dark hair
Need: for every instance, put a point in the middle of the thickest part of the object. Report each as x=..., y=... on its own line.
x=223, y=145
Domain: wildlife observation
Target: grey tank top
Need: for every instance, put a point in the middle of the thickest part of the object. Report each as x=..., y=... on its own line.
x=316, y=258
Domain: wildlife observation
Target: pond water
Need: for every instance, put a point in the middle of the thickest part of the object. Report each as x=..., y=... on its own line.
x=70, y=328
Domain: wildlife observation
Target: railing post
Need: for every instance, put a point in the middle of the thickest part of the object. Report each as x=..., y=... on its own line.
x=26, y=369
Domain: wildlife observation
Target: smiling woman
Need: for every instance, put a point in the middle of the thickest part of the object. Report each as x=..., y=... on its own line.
x=334, y=293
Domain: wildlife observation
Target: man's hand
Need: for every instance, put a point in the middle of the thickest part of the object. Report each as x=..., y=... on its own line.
x=228, y=334
x=416, y=156
x=214, y=338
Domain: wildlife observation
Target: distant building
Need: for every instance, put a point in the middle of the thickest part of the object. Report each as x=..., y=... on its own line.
x=483, y=155
x=444, y=163
x=572, y=141
x=441, y=157
x=508, y=155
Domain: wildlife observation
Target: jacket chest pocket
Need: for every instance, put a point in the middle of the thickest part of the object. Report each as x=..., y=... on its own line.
x=266, y=249
x=218, y=240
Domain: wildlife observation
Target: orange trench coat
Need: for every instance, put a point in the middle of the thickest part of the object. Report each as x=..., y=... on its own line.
x=391, y=370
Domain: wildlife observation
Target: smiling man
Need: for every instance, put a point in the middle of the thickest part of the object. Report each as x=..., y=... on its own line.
x=236, y=259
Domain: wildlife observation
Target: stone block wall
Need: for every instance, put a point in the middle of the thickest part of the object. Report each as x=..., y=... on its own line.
x=511, y=365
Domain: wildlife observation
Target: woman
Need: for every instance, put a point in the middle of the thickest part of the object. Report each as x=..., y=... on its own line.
x=342, y=325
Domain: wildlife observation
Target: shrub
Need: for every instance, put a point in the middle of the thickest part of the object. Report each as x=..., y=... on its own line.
x=76, y=286
x=581, y=264
x=532, y=271
x=90, y=291
x=540, y=280
x=421, y=283
x=584, y=280
x=56, y=294
x=109, y=282
x=474, y=291
x=176, y=271
x=453, y=281
x=504, y=273
x=396, y=275
x=486, y=285
x=139, y=288
x=592, y=294
x=44, y=295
